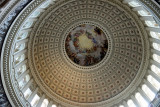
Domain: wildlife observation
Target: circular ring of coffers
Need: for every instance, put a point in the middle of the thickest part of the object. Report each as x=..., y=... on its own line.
x=95, y=87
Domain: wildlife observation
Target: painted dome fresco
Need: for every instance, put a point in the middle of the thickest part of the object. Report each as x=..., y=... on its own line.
x=86, y=45
x=91, y=60
x=82, y=53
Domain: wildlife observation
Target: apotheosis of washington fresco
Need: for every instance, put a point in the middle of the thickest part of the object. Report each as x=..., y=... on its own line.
x=86, y=45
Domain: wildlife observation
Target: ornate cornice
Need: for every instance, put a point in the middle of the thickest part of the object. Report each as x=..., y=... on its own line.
x=153, y=7
x=10, y=12
x=13, y=31
x=140, y=26
x=8, y=15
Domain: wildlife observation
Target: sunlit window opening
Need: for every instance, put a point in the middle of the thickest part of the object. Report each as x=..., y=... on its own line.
x=134, y=4
x=35, y=100
x=22, y=36
x=121, y=106
x=154, y=82
x=19, y=47
x=143, y=12
x=35, y=14
x=27, y=25
x=148, y=92
x=24, y=81
x=156, y=58
x=155, y=35
x=54, y=106
x=21, y=69
x=152, y=24
x=156, y=46
x=27, y=93
x=141, y=100
x=130, y=103
x=156, y=70
x=20, y=58
x=44, y=103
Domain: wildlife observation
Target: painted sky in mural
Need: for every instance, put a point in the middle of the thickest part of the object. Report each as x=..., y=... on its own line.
x=86, y=45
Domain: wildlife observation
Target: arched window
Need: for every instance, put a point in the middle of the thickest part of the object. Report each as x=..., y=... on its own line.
x=141, y=100
x=151, y=24
x=156, y=46
x=148, y=92
x=130, y=103
x=156, y=70
x=54, y=105
x=24, y=81
x=35, y=100
x=155, y=35
x=156, y=57
x=44, y=103
x=154, y=82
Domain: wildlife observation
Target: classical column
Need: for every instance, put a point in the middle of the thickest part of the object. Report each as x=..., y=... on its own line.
x=19, y=64
x=150, y=86
x=32, y=95
x=40, y=101
x=143, y=94
x=155, y=40
x=50, y=104
x=22, y=75
x=155, y=51
x=125, y=104
x=25, y=30
x=41, y=10
x=138, y=8
x=154, y=75
x=147, y=18
x=155, y=63
x=18, y=53
x=21, y=41
x=27, y=85
x=135, y=101
x=154, y=29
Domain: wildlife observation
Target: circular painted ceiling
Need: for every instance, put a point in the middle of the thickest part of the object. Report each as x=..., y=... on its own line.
x=86, y=45
x=86, y=51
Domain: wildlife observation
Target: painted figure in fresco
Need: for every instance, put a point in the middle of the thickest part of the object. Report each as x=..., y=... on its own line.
x=86, y=45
